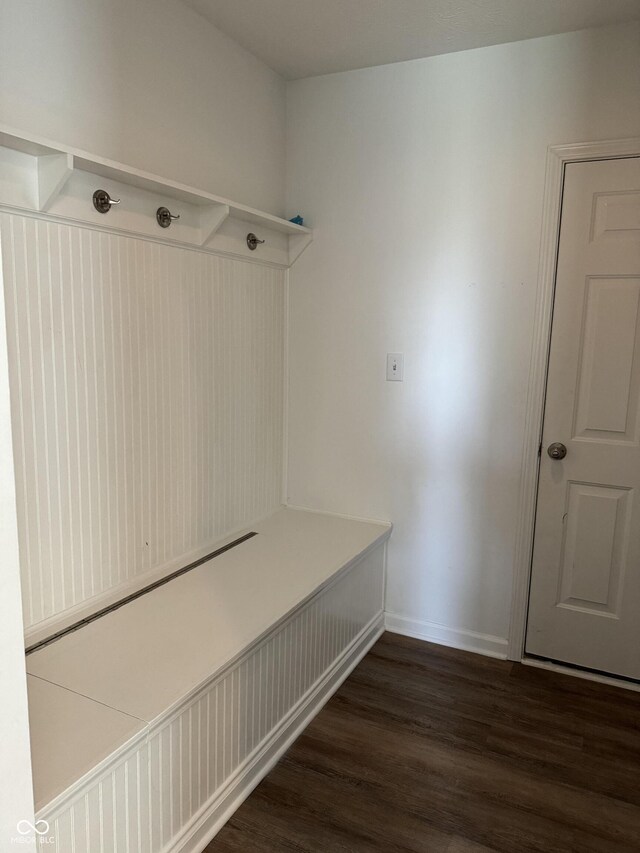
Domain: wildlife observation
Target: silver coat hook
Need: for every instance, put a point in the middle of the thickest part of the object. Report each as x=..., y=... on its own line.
x=252, y=241
x=102, y=201
x=165, y=217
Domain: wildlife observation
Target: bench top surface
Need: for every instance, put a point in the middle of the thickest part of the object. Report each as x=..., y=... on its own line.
x=70, y=734
x=143, y=658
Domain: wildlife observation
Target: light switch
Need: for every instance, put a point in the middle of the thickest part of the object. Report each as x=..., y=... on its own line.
x=395, y=366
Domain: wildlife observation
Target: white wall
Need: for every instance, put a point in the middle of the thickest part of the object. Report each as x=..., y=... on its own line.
x=149, y=83
x=16, y=796
x=424, y=181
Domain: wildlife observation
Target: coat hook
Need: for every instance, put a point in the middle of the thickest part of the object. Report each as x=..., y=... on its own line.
x=165, y=217
x=252, y=241
x=102, y=201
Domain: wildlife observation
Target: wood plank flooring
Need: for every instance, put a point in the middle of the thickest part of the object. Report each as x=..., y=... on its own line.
x=432, y=750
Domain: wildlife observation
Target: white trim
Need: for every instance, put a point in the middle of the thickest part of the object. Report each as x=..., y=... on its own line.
x=581, y=673
x=557, y=158
x=214, y=814
x=457, y=638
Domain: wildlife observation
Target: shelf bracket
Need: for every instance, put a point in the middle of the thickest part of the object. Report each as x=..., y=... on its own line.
x=297, y=244
x=211, y=218
x=54, y=170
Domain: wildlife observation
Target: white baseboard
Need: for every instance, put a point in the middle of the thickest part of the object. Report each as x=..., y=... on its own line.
x=214, y=814
x=457, y=638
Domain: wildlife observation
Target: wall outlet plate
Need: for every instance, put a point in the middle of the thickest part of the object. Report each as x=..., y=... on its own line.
x=395, y=366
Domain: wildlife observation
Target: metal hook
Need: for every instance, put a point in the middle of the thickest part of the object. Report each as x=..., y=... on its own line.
x=102, y=201
x=165, y=217
x=252, y=241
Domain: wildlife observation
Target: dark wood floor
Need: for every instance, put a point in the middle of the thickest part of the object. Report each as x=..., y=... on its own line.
x=425, y=748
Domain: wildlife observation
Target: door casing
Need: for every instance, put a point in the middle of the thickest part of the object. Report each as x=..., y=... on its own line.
x=557, y=158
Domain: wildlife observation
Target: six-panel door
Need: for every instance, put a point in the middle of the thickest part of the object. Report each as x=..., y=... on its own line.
x=585, y=590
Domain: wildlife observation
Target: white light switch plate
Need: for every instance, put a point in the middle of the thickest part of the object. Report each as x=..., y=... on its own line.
x=395, y=366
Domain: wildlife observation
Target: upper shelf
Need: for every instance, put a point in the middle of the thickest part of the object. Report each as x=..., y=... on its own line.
x=38, y=175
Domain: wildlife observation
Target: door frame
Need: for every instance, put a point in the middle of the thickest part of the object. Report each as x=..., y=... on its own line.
x=558, y=156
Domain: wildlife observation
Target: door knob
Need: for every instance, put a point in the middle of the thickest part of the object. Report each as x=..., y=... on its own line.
x=557, y=450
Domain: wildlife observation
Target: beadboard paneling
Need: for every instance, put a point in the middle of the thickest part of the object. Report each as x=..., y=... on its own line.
x=179, y=784
x=147, y=388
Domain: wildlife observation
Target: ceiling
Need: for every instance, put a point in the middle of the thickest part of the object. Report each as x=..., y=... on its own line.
x=304, y=38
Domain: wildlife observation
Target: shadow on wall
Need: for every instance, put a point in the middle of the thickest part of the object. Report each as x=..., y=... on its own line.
x=425, y=180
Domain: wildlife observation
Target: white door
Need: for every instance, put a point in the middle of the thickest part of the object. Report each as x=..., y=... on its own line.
x=584, y=605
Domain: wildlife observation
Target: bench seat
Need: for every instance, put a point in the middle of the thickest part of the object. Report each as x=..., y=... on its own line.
x=99, y=692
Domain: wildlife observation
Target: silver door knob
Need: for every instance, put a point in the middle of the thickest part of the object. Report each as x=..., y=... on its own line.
x=557, y=450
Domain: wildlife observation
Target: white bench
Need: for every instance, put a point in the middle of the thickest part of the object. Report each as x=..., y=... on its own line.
x=152, y=723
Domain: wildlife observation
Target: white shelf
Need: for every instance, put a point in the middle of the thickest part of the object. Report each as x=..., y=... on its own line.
x=44, y=177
